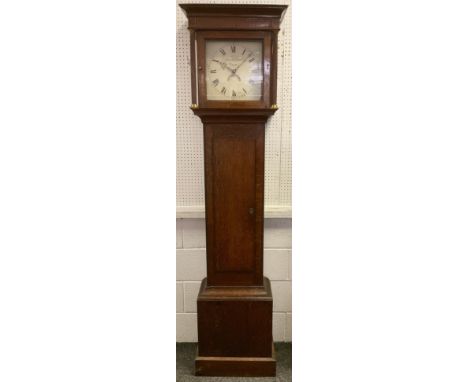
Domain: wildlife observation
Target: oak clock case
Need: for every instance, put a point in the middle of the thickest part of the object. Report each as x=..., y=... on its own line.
x=233, y=54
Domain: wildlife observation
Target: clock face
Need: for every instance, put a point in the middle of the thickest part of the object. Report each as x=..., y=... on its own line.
x=234, y=70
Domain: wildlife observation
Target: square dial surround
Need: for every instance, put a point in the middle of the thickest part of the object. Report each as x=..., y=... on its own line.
x=234, y=70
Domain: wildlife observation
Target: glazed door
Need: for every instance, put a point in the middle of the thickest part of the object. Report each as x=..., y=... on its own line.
x=234, y=156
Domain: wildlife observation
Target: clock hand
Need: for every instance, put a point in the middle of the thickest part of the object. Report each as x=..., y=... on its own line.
x=225, y=66
x=233, y=71
x=245, y=59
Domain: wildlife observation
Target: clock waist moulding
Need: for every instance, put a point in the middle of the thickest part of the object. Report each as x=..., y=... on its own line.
x=233, y=58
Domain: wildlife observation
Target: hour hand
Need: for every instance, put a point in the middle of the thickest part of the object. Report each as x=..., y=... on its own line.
x=233, y=73
x=225, y=66
x=222, y=64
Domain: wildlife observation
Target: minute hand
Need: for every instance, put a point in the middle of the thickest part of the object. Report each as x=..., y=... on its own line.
x=245, y=59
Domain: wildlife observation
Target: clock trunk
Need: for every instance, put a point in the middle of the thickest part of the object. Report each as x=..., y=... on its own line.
x=234, y=162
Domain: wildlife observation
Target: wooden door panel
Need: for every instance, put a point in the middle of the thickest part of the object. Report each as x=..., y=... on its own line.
x=234, y=203
x=234, y=198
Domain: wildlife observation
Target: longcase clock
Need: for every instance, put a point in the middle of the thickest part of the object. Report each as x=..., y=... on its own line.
x=233, y=73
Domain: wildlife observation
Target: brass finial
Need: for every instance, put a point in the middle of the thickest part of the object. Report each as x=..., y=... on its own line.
x=274, y=106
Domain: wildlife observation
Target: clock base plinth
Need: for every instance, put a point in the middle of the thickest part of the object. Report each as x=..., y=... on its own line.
x=236, y=366
x=235, y=331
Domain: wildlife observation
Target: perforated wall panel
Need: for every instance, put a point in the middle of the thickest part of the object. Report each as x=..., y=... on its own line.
x=189, y=130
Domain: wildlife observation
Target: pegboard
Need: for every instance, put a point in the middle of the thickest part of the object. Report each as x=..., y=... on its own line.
x=189, y=129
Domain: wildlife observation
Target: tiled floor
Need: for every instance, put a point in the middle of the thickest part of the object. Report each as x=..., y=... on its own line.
x=186, y=364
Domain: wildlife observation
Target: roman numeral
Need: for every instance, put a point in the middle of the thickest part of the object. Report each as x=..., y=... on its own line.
x=245, y=91
x=233, y=48
x=252, y=59
x=243, y=52
x=233, y=93
x=222, y=51
x=223, y=90
x=216, y=82
x=213, y=71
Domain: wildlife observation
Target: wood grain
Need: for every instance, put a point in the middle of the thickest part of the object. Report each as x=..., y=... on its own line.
x=234, y=171
x=236, y=366
x=237, y=324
